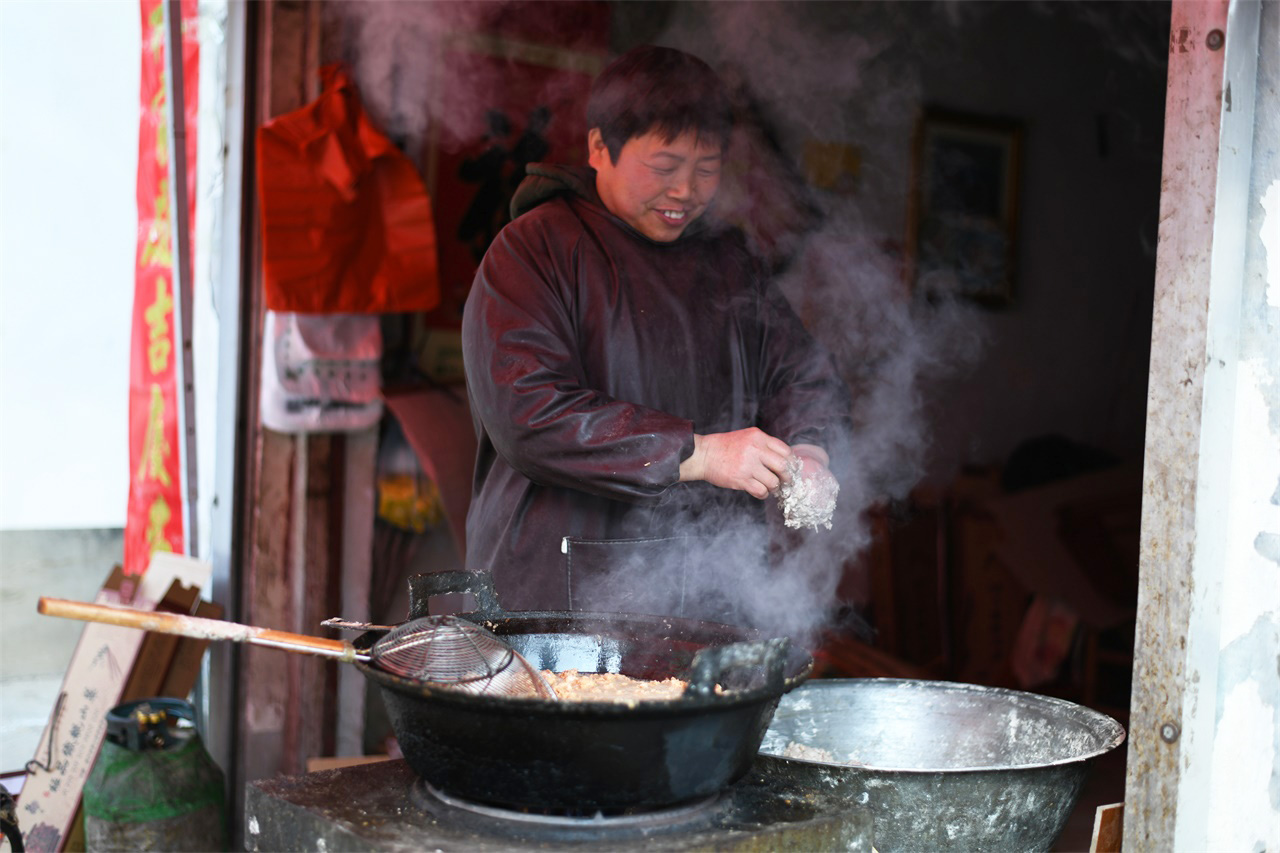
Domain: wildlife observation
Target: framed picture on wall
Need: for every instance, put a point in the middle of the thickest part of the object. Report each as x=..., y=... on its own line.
x=964, y=210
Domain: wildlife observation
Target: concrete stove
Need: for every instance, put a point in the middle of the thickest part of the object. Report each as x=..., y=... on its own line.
x=386, y=807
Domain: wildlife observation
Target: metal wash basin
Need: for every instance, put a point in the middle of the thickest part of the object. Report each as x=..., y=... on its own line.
x=943, y=766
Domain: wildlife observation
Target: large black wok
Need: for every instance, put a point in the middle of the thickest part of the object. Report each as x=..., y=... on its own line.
x=587, y=757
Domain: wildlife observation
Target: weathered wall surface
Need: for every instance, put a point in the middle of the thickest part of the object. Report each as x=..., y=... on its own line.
x=1241, y=707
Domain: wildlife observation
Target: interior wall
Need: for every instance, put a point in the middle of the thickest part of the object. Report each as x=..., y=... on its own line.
x=1071, y=354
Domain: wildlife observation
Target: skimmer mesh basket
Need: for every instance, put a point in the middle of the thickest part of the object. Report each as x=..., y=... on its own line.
x=447, y=651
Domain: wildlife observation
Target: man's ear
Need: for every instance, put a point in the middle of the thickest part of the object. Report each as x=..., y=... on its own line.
x=597, y=149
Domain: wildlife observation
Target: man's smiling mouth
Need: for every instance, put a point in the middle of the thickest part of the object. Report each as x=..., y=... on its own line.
x=673, y=215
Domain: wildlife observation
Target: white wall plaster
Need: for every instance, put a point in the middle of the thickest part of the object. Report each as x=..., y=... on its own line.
x=1245, y=713
x=1242, y=763
x=1269, y=233
x=1251, y=583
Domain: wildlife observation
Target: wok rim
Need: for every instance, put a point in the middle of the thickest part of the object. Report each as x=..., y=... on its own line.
x=792, y=676
x=528, y=705
x=1115, y=734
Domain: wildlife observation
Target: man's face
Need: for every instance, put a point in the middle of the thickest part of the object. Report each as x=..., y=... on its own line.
x=657, y=186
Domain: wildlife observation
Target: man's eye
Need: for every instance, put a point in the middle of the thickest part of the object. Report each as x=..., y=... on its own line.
x=664, y=171
x=708, y=173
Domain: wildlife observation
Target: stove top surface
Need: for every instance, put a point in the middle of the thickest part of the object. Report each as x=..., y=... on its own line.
x=386, y=807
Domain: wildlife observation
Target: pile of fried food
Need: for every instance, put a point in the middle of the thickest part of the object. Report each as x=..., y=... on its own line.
x=574, y=686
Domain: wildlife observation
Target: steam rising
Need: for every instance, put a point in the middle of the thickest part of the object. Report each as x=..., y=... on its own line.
x=407, y=58
x=844, y=273
x=839, y=254
x=384, y=43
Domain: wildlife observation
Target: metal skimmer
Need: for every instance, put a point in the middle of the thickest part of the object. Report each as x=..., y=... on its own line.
x=458, y=654
x=443, y=651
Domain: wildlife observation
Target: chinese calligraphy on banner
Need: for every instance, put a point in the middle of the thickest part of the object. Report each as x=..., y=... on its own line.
x=154, y=517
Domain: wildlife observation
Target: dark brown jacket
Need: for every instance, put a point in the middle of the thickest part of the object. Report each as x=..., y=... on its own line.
x=593, y=354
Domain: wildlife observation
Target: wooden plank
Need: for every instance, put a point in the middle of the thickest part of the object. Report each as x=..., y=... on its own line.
x=1108, y=829
x=356, y=526
x=287, y=515
x=311, y=725
x=1175, y=394
x=334, y=762
x=264, y=673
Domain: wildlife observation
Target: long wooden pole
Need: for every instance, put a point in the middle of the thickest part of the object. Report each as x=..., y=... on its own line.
x=198, y=627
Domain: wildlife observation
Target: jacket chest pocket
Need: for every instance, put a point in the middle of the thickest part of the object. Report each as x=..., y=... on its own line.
x=693, y=577
x=627, y=575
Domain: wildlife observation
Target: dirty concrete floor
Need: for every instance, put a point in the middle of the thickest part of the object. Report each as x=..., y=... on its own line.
x=35, y=649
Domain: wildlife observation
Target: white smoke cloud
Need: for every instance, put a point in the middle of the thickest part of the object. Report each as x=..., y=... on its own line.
x=419, y=68
x=843, y=75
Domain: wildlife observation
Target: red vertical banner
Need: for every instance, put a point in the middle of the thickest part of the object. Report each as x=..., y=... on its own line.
x=154, y=518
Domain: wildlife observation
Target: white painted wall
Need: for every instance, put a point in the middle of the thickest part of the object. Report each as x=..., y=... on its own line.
x=68, y=221
x=1229, y=791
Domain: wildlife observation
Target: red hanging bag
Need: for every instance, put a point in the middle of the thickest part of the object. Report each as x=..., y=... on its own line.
x=346, y=222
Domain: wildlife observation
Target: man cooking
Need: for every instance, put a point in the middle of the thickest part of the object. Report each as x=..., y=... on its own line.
x=639, y=389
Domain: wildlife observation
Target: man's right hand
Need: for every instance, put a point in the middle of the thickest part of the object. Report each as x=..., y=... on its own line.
x=749, y=459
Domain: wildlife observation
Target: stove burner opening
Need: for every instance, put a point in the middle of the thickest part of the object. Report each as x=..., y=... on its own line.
x=444, y=805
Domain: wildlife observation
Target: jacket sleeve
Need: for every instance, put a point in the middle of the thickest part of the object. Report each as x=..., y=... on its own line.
x=803, y=398
x=528, y=387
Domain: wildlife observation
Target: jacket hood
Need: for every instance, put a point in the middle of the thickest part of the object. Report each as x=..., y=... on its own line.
x=545, y=181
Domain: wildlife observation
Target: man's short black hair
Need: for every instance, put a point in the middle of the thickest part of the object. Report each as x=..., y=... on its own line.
x=661, y=89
